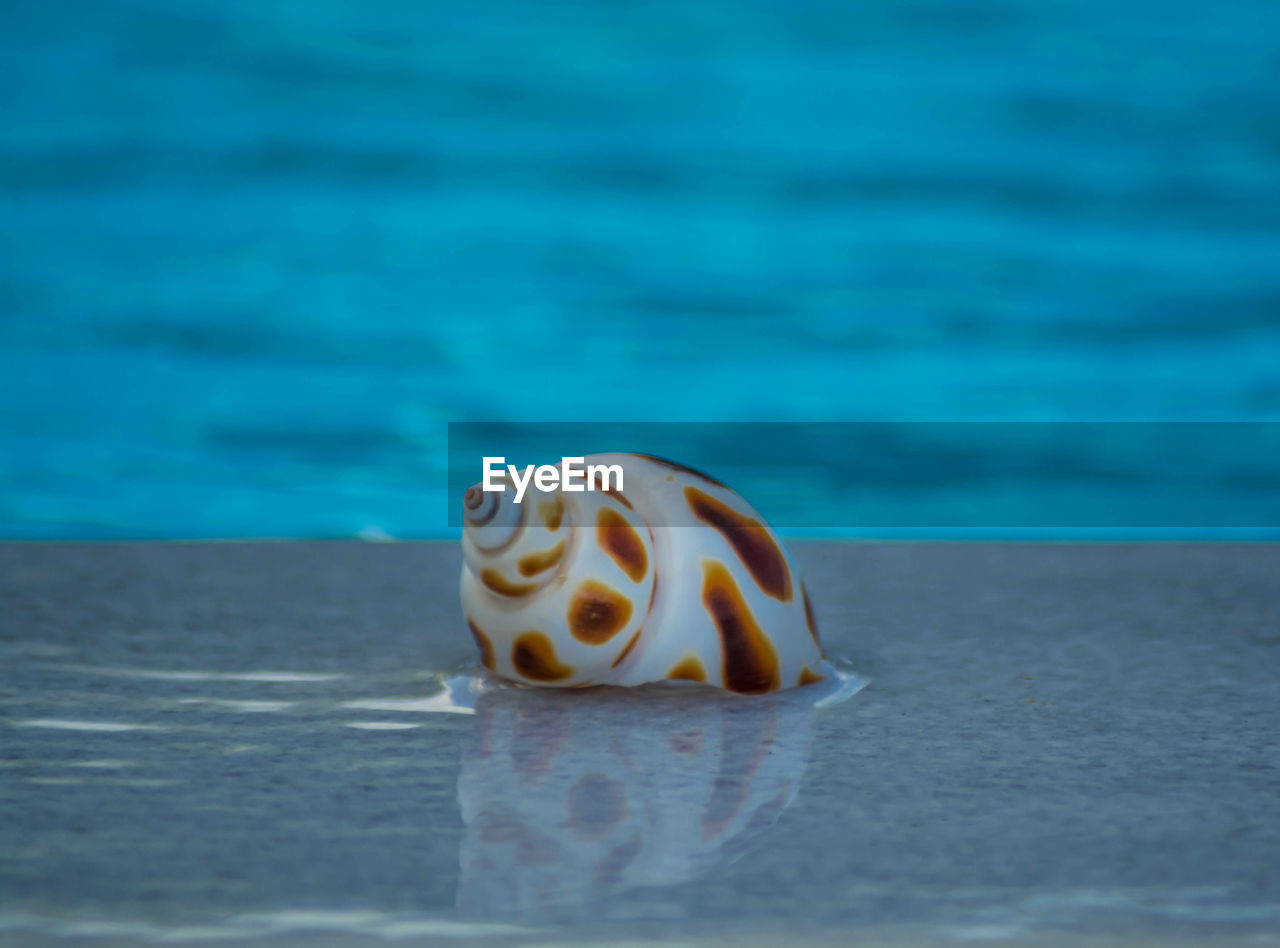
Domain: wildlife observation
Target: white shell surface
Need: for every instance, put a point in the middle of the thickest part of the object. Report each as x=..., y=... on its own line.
x=674, y=578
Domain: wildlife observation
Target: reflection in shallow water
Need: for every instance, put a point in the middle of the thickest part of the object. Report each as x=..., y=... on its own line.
x=58, y=724
x=568, y=797
x=445, y=702
x=162, y=675
x=255, y=928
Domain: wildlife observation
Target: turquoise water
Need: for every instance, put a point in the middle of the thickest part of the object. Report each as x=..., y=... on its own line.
x=254, y=256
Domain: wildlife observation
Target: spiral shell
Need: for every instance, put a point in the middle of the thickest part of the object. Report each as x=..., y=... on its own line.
x=674, y=578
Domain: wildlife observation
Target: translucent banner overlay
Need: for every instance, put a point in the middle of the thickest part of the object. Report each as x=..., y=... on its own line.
x=944, y=478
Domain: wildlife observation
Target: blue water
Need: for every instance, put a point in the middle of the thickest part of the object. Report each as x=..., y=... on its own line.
x=255, y=254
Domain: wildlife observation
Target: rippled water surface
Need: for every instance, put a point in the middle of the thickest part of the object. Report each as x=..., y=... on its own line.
x=255, y=255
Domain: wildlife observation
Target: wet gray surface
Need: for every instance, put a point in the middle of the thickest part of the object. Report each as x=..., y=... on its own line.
x=204, y=741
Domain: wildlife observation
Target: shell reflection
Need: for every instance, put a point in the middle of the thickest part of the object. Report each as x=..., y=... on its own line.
x=570, y=797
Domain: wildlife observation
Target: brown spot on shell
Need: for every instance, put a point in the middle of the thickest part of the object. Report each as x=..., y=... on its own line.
x=534, y=657
x=688, y=669
x=750, y=663
x=551, y=512
x=531, y=564
x=500, y=584
x=683, y=468
x=626, y=650
x=620, y=540
x=597, y=803
x=617, y=495
x=597, y=612
x=474, y=497
x=809, y=677
x=749, y=539
x=482, y=643
x=808, y=617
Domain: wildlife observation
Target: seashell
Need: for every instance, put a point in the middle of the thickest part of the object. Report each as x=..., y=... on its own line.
x=675, y=577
